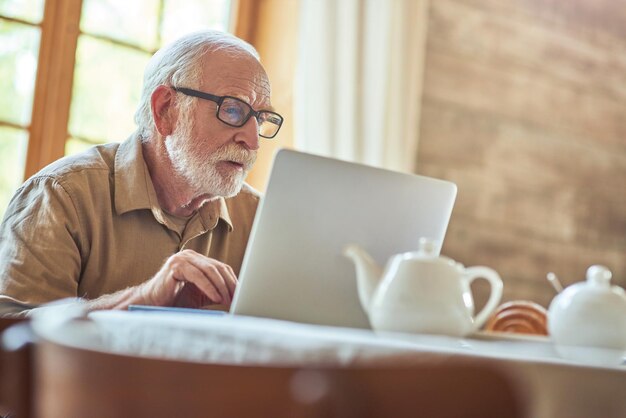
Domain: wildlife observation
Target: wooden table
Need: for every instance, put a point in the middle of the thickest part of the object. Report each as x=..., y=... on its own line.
x=556, y=387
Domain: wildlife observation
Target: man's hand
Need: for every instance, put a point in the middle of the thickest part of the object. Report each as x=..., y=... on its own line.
x=190, y=279
x=186, y=279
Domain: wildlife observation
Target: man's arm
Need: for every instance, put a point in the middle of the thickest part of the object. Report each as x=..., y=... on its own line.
x=186, y=279
x=40, y=246
x=10, y=308
x=40, y=260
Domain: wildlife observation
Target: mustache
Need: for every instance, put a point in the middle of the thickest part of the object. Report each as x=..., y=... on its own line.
x=232, y=152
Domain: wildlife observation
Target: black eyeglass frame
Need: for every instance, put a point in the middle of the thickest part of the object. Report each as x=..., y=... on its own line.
x=220, y=99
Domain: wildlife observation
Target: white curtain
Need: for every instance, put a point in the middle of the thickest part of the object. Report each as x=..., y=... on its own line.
x=359, y=80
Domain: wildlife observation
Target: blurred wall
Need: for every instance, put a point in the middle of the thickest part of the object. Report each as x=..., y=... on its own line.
x=524, y=107
x=271, y=26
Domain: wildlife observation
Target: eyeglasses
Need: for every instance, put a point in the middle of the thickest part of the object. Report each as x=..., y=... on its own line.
x=235, y=112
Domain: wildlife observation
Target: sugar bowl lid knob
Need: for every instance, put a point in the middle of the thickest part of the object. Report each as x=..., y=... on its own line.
x=599, y=275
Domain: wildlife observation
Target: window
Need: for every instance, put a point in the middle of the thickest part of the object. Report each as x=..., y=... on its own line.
x=117, y=39
x=20, y=32
x=91, y=56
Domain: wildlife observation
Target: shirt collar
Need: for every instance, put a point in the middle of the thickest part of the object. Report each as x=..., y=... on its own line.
x=134, y=189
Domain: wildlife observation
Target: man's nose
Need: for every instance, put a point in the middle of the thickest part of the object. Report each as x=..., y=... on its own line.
x=249, y=134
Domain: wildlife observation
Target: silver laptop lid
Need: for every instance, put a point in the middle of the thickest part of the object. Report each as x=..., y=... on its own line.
x=314, y=206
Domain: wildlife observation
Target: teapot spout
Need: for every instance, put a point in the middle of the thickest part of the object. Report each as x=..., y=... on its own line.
x=368, y=273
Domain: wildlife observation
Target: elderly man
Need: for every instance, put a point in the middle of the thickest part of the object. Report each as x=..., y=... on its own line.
x=162, y=218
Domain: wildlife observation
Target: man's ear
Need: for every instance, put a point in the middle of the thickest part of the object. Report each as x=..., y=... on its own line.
x=163, y=110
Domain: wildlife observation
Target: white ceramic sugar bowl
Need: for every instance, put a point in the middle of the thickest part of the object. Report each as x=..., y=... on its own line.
x=587, y=320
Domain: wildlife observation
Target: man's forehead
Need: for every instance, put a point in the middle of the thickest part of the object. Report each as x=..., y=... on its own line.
x=242, y=77
x=255, y=88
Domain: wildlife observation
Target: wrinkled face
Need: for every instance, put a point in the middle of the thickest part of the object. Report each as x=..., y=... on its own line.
x=213, y=157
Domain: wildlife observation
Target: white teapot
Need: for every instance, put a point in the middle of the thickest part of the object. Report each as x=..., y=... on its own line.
x=587, y=320
x=420, y=292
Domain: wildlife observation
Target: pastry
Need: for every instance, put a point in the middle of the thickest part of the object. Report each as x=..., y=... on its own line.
x=519, y=316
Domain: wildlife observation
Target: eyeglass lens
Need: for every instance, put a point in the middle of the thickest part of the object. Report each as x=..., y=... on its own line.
x=235, y=112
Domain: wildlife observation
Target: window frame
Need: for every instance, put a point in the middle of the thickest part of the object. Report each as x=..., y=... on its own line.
x=60, y=28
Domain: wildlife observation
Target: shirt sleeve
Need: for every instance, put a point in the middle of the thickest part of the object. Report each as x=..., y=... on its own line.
x=40, y=247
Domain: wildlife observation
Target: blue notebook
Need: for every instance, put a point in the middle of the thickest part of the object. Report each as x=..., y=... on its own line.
x=148, y=308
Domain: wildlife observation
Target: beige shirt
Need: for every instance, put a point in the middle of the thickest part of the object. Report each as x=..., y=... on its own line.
x=90, y=225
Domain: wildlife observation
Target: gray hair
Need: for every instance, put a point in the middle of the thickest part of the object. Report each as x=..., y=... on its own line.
x=180, y=64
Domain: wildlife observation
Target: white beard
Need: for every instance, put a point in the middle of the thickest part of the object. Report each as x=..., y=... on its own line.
x=201, y=171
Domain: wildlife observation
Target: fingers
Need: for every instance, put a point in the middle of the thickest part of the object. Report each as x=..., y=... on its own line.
x=232, y=280
x=189, y=272
x=213, y=278
x=220, y=275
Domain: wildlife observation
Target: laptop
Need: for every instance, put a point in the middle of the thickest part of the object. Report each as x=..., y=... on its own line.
x=313, y=208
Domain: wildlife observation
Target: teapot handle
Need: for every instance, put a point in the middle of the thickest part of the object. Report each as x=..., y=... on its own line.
x=481, y=272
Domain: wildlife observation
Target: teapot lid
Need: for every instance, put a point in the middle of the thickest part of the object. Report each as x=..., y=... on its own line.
x=598, y=275
x=428, y=250
x=427, y=247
